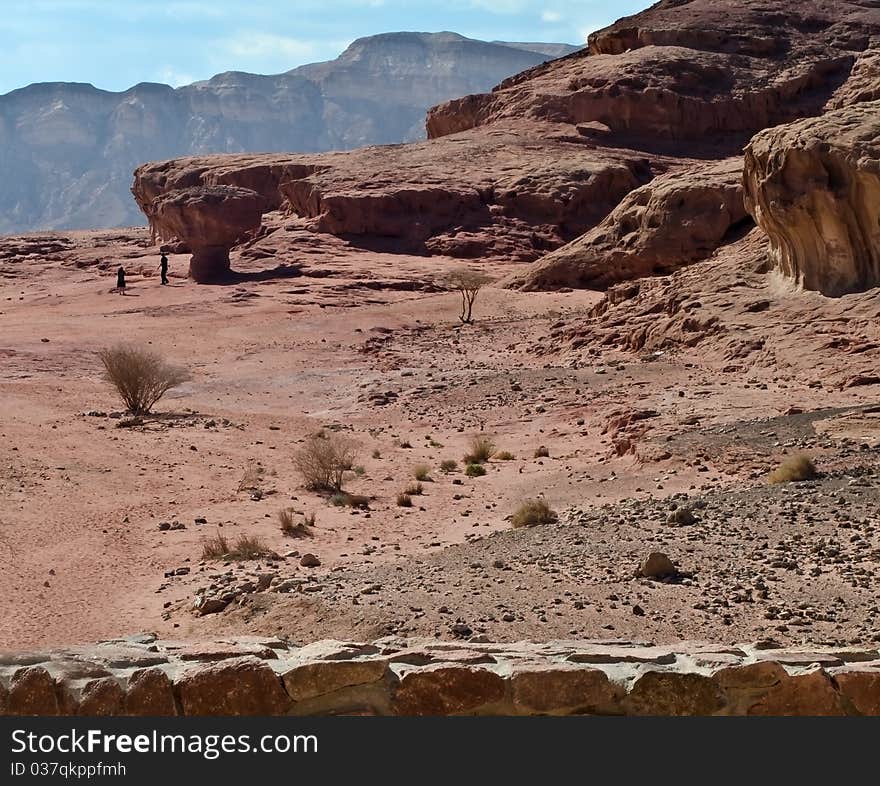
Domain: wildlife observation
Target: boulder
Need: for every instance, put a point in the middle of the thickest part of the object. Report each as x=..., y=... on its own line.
x=657, y=566
x=239, y=686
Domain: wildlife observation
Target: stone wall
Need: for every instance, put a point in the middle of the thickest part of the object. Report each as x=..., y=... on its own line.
x=141, y=675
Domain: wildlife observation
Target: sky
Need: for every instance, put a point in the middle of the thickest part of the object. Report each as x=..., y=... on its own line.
x=115, y=44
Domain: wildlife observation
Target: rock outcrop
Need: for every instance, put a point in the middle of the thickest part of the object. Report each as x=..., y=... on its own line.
x=630, y=148
x=814, y=188
x=675, y=219
x=67, y=150
x=687, y=70
x=482, y=194
x=210, y=220
x=252, y=676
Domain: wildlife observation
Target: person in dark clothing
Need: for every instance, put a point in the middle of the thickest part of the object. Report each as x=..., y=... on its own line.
x=163, y=267
x=120, y=280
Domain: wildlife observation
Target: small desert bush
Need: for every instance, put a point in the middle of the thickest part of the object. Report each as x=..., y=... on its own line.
x=216, y=547
x=504, y=455
x=798, y=467
x=404, y=500
x=323, y=461
x=475, y=470
x=141, y=377
x=448, y=465
x=542, y=452
x=249, y=547
x=414, y=490
x=481, y=450
x=343, y=500
x=245, y=547
x=532, y=513
x=293, y=528
x=422, y=472
x=377, y=454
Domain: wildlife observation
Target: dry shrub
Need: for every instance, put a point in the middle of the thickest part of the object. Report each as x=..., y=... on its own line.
x=293, y=528
x=422, y=472
x=245, y=547
x=504, y=455
x=343, y=500
x=250, y=479
x=140, y=376
x=323, y=461
x=532, y=513
x=481, y=450
x=798, y=467
x=414, y=490
x=448, y=465
x=542, y=452
x=216, y=547
x=404, y=500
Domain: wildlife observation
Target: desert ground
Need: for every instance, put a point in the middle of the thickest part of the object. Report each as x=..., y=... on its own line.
x=662, y=445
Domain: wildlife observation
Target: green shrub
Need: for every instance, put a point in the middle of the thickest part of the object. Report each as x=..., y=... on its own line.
x=475, y=470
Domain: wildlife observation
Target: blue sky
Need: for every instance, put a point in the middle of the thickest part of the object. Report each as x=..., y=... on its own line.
x=117, y=43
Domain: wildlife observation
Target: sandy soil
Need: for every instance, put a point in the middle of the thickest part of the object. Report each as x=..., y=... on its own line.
x=364, y=342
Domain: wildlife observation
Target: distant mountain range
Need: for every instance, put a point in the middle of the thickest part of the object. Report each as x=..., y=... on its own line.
x=68, y=150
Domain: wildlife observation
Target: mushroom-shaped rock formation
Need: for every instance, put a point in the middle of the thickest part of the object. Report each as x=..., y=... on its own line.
x=814, y=188
x=210, y=220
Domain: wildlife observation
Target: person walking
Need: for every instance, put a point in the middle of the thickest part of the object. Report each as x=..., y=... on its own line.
x=163, y=267
x=120, y=280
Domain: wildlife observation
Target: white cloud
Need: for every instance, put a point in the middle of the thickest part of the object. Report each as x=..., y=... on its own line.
x=501, y=6
x=551, y=16
x=267, y=46
x=170, y=76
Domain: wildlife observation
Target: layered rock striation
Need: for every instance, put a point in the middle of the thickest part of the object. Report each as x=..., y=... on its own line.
x=814, y=188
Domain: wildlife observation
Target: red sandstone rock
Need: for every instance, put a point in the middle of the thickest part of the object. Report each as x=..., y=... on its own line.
x=672, y=221
x=101, y=697
x=32, y=692
x=814, y=188
x=210, y=220
x=149, y=693
x=670, y=693
x=561, y=689
x=446, y=690
x=240, y=686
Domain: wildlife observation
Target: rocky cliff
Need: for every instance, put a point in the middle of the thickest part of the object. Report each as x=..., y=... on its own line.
x=628, y=152
x=67, y=150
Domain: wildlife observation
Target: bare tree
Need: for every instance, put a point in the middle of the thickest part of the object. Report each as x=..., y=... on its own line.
x=324, y=459
x=140, y=376
x=468, y=283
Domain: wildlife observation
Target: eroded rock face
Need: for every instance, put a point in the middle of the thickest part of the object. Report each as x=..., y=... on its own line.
x=814, y=188
x=210, y=220
x=687, y=70
x=491, y=192
x=675, y=219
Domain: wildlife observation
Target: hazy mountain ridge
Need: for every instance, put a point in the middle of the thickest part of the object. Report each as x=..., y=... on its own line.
x=67, y=150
